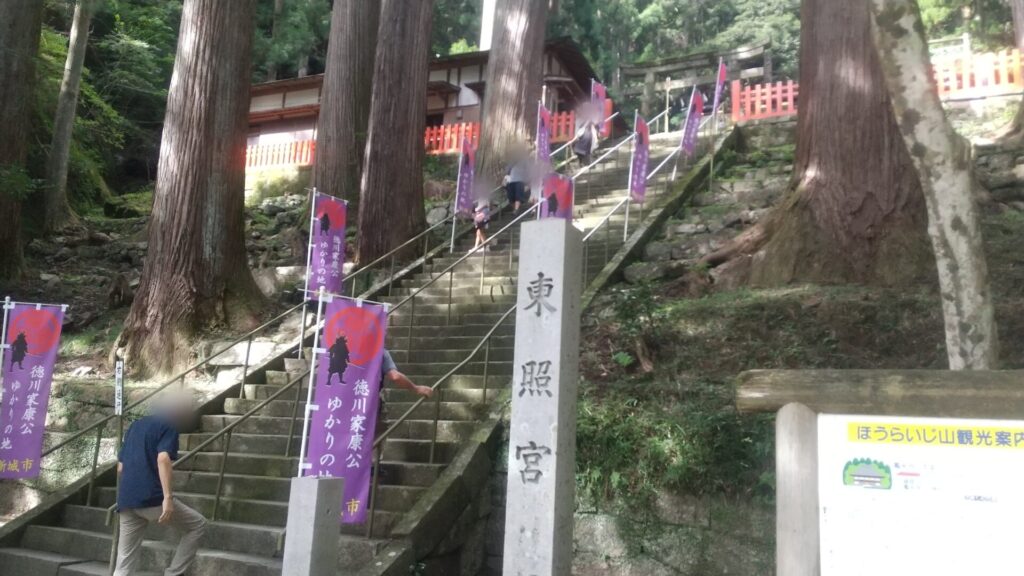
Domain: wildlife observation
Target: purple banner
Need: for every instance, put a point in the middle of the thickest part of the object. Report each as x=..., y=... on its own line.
x=641, y=155
x=33, y=338
x=327, y=246
x=558, y=197
x=692, y=128
x=543, y=137
x=464, y=191
x=719, y=85
x=347, y=395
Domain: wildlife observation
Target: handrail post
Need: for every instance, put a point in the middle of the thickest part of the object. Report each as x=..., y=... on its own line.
x=487, y=365
x=483, y=267
x=95, y=463
x=437, y=418
x=245, y=368
x=220, y=476
x=374, y=481
x=391, y=275
x=295, y=417
x=412, y=321
x=451, y=280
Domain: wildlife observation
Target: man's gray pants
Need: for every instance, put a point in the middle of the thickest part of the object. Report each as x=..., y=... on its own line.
x=186, y=521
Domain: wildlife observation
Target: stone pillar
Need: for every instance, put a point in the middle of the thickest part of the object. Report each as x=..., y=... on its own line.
x=797, y=545
x=542, y=436
x=314, y=517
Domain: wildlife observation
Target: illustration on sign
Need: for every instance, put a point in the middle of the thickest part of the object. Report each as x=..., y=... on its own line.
x=867, y=473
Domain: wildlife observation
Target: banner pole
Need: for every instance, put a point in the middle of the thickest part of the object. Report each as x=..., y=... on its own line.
x=309, y=245
x=3, y=347
x=302, y=326
x=455, y=200
x=629, y=190
x=312, y=381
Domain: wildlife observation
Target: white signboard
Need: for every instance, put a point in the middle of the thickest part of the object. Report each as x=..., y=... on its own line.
x=119, y=387
x=909, y=496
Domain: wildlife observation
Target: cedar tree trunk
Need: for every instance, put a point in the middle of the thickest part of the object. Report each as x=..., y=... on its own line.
x=1017, y=10
x=348, y=83
x=944, y=161
x=196, y=272
x=391, y=205
x=515, y=71
x=275, y=28
x=20, y=22
x=58, y=212
x=856, y=212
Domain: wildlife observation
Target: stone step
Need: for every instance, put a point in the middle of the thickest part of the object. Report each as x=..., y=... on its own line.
x=95, y=569
x=392, y=395
x=398, y=335
x=262, y=512
x=466, y=289
x=260, y=351
x=436, y=369
x=443, y=320
x=485, y=297
x=155, y=554
x=295, y=365
x=453, y=355
x=421, y=278
x=395, y=472
x=28, y=562
x=446, y=341
x=242, y=538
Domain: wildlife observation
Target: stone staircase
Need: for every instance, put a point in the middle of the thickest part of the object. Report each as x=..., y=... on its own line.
x=247, y=537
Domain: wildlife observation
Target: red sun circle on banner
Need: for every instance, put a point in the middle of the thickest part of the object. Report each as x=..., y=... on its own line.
x=335, y=210
x=41, y=329
x=363, y=333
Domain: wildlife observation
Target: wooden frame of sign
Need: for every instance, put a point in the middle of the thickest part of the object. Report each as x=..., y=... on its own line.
x=800, y=395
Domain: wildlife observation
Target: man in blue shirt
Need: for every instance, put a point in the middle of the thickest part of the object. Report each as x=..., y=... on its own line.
x=146, y=491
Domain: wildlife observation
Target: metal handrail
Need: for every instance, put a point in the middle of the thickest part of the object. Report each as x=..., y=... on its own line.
x=484, y=342
x=575, y=138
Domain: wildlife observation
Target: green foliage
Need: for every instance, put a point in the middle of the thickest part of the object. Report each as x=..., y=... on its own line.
x=624, y=359
x=640, y=316
x=989, y=23
x=302, y=31
x=637, y=440
x=98, y=133
x=462, y=46
x=16, y=183
x=454, y=20
x=280, y=185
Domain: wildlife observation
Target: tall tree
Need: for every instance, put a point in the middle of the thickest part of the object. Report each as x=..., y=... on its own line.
x=943, y=159
x=275, y=32
x=345, y=108
x=58, y=212
x=196, y=272
x=391, y=206
x=515, y=70
x=1017, y=13
x=20, y=22
x=856, y=212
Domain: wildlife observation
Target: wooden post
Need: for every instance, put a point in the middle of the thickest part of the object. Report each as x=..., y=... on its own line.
x=736, y=95
x=668, y=93
x=797, y=545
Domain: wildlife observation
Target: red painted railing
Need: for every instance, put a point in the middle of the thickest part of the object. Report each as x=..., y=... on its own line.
x=299, y=153
x=979, y=75
x=763, y=100
x=972, y=76
x=445, y=139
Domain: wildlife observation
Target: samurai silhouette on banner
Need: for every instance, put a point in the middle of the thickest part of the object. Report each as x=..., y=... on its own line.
x=33, y=339
x=347, y=396
x=326, y=260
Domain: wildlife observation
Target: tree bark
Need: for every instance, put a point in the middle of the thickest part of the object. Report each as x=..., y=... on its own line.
x=1017, y=11
x=856, y=212
x=196, y=274
x=20, y=22
x=515, y=71
x=345, y=108
x=391, y=207
x=944, y=162
x=58, y=212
